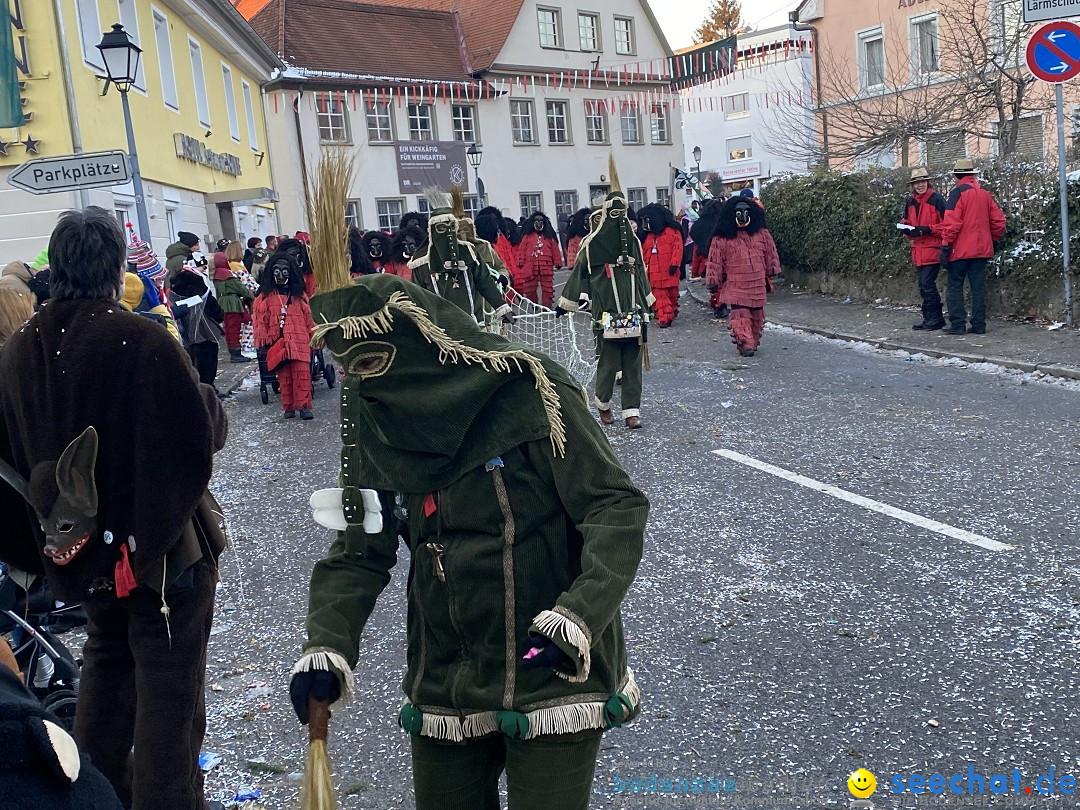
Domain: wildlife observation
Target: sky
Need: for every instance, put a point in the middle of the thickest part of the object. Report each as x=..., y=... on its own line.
x=679, y=18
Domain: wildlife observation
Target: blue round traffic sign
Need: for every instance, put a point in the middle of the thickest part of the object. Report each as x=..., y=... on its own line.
x=1053, y=52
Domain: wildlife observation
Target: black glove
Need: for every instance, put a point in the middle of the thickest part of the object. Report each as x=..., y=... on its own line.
x=673, y=270
x=559, y=311
x=997, y=246
x=315, y=683
x=921, y=230
x=509, y=318
x=549, y=657
x=714, y=287
x=943, y=255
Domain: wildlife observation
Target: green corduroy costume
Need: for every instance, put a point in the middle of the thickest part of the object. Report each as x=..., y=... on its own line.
x=519, y=520
x=612, y=253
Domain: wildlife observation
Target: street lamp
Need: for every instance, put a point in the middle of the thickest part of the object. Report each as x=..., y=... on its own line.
x=697, y=159
x=121, y=56
x=475, y=154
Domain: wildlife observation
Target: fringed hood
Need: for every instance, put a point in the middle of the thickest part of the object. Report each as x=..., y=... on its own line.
x=427, y=394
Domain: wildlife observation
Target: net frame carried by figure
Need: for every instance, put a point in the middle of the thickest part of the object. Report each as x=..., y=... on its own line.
x=561, y=339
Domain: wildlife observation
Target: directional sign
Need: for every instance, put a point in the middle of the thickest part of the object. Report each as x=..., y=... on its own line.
x=1047, y=10
x=71, y=172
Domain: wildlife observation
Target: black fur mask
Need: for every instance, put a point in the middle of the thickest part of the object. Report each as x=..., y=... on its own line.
x=488, y=226
x=656, y=219
x=376, y=246
x=512, y=231
x=295, y=248
x=545, y=226
x=735, y=209
x=360, y=264
x=406, y=242
x=704, y=229
x=413, y=218
x=579, y=223
x=268, y=282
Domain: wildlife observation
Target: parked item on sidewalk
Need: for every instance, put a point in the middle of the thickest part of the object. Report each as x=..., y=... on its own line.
x=924, y=210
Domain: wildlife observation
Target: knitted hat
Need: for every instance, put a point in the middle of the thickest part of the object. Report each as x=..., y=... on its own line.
x=133, y=291
x=188, y=238
x=143, y=257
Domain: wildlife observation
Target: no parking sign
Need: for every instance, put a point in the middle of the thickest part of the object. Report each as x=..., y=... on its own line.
x=1053, y=52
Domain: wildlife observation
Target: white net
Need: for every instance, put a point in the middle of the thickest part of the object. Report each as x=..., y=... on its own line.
x=564, y=340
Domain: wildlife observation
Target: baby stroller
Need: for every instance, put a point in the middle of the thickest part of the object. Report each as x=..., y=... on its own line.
x=320, y=370
x=30, y=620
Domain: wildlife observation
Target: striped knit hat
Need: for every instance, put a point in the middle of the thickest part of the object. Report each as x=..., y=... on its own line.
x=143, y=257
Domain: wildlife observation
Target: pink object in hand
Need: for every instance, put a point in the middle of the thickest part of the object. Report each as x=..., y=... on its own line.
x=532, y=653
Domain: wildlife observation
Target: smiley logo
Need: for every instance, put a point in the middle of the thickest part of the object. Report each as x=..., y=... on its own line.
x=862, y=783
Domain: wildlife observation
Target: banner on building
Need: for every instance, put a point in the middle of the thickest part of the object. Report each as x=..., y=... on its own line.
x=423, y=164
x=704, y=63
x=11, y=114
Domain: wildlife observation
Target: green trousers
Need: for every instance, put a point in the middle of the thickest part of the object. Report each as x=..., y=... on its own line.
x=619, y=355
x=541, y=774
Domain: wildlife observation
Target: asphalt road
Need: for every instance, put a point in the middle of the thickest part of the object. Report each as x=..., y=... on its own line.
x=778, y=633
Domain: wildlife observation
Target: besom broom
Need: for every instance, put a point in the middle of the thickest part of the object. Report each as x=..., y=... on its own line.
x=317, y=787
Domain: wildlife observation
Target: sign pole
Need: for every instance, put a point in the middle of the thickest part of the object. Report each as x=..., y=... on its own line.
x=1063, y=193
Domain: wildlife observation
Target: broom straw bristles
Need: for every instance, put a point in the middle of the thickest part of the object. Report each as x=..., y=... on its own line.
x=613, y=173
x=317, y=788
x=328, y=195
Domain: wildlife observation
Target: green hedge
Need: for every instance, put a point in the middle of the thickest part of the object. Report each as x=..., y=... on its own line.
x=844, y=224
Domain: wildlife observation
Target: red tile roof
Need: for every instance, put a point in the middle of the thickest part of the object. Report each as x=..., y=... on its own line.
x=485, y=25
x=344, y=36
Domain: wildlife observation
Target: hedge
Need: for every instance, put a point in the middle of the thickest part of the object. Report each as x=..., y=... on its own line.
x=842, y=225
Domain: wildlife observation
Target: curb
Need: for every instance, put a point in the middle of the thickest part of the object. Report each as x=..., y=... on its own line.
x=232, y=375
x=1049, y=369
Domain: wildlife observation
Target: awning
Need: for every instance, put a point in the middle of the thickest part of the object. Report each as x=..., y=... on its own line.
x=244, y=195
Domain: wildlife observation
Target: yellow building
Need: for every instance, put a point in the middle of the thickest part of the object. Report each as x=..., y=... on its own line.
x=197, y=108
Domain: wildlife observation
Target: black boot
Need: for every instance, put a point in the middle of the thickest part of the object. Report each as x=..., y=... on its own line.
x=237, y=356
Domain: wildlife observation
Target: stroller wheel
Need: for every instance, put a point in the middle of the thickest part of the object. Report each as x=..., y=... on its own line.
x=62, y=704
x=264, y=395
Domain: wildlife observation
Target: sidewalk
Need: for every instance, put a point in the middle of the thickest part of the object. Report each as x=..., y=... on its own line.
x=231, y=375
x=1023, y=346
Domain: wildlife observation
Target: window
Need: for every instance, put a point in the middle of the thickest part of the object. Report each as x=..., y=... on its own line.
x=465, y=123
x=521, y=121
x=200, y=82
x=624, y=35
x=531, y=203
x=90, y=32
x=249, y=111
x=631, y=124
x=332, y=117
x=352, y=214
x=421, y=122
x=1030, y=138
x=877, y=158
x=588, y=31
x=230, y=103
x=380, y=122
x=422, y=205
x=550, y=22
x=740, y=148
x=129, y=18
x=661, y=129
x=566, y=202
x=737, y=106
x=165, y=64
x=1009, y=30
x=389, y=212
x=170, y=221
x=596, y=122
x=924, y=44
x=472, y=205
x=663, y=196
x=871, y=59
x=942, y=151
x=637, y=198
x=558, y=122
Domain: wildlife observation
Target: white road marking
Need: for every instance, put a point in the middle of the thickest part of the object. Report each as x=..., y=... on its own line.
x=868, y=503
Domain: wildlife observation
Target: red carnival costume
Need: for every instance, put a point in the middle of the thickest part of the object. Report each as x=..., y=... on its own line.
x=662, y=248
x=537, y=257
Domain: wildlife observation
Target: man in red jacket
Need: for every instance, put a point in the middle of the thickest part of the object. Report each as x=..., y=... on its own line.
x=538, y=257
x=923, y=210
x=972, y=227
x=662, y=247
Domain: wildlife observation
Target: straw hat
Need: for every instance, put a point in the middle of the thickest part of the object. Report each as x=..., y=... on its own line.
x=964, y=166
x=919, y=174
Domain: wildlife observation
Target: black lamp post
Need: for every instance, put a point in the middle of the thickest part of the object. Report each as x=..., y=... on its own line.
x=475, y=154
x=697, y=159
x=121, y=57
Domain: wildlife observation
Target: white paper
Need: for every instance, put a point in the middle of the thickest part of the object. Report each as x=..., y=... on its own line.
x=900, y=226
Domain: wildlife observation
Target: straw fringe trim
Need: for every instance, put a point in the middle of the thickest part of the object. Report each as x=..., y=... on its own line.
x=359, y=327
x=328, y=660
x=563, y=624
x=545, y=721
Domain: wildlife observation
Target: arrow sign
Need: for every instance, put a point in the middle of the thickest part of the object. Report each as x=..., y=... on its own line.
x=71, y=172
x=1053, y=52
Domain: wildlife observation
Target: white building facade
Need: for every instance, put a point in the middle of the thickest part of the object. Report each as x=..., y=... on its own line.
x=565, y=86
x=740, y=121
